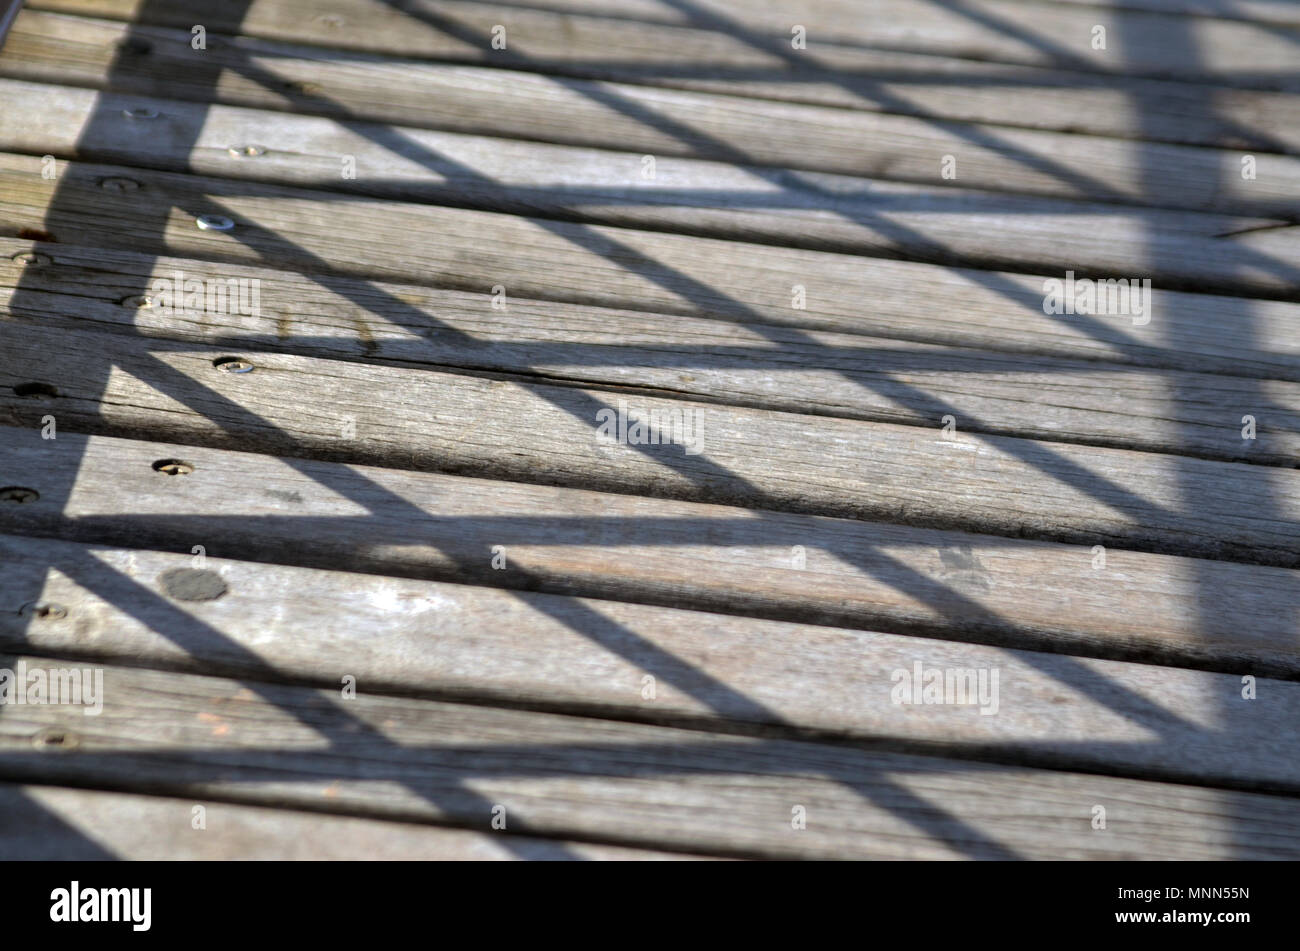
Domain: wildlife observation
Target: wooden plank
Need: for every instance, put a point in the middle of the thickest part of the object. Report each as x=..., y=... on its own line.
x=529, y=431
x=835, y=213
x=876, y=80
x=626, y=784
x=310, y=231
x=80, y=288
x=49, y=823
x=1138, y=43
x=848, y=377
x=1254, y=11
x=437, y=640
x=661, y=122
x=1009, y=592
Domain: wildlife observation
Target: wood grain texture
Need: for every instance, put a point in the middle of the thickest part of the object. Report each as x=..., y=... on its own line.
x=857, y=574
x=1254, y=11
x=740, y=63
x=83, y=288
x=850, y=377
x=528, y=431
x=810, y=210
x=1046, y=34
x=48, y=823
x=312, y=232
x=275, y=623
x=659, y=121
x=626, y=784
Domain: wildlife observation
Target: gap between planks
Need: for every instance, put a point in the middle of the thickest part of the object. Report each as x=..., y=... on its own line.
x=50, y=823
x=1008, y=31
x=395, y=636
x=710, y=199
x=661, y=122
x=1007, y=592
x=620, y=783
x=92, y=288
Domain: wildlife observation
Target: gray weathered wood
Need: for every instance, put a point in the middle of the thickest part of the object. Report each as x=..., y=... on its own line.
x=858, y=378
x=49, y=823
x=734, y=63
x=310, y=231
x=569, y=541
x=81, y=288
x=1044, y=34
x=810, y=210
x=401, y=635
x=529, y=431
x=628, y=784
x=662, y=122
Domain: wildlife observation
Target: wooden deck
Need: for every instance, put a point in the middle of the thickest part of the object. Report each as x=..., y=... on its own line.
x=346, y=498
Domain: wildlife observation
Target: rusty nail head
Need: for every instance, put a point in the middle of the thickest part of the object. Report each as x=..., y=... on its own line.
x=44, y=610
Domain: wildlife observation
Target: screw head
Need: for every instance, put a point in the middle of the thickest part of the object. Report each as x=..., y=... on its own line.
x=53, y=738
x=18, y=494
x=30, y=258
x=173, y=467
x=233, y=365
x=144, y=112
x=43, y=610
x=247, y=151
x=214, y=223
x=117, y=183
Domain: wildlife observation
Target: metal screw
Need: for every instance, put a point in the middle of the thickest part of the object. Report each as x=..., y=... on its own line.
x=31, y=258
x=214, y=223
x=53, y=737
x=19, y=494
x=138, y=301
x=145, y=112
x=172, y=467
x=43, y=610
x=233, y=365
x=332, y=21
x=251, y=151
x=117, y=183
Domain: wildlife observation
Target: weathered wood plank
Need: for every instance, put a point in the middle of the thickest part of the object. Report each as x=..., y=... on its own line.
x=850, y=377
x=1005, y=591
x=834, y=213
x=935, y=86
x=530, y=431
x=400, y=635
x=310, y=231
x=623, y=783
x=80, y=288
x=49, y=823
x=1254, y=11
x=1138, y=43
x=658, y=121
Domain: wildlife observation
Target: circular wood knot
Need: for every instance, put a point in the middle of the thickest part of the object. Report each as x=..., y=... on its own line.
x=192, y=584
